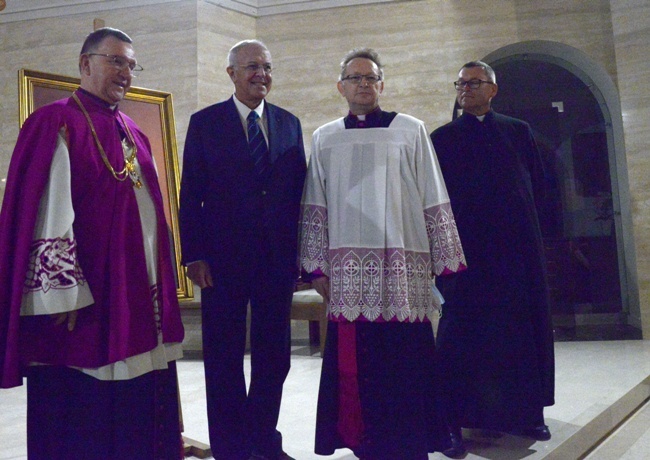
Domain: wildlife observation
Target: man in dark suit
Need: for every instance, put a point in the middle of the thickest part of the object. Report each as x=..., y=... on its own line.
x=239, y=210
x=495, y=341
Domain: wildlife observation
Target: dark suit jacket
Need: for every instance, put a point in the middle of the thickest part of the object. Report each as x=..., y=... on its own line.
x=228, y=216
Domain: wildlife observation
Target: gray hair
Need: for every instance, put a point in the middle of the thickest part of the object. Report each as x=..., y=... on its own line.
x=234, y=51
x=365, y=53
x=489, y=71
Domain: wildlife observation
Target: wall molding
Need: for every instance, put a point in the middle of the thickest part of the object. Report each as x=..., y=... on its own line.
x=26, y=10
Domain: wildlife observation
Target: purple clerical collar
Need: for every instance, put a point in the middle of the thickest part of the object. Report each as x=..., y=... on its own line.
x=369, y=120
x=97, y=99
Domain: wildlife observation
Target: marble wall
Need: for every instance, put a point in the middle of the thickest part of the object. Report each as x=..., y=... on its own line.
x=422, y=43
x=183, y=46
x=631, y=32
x=218, y=30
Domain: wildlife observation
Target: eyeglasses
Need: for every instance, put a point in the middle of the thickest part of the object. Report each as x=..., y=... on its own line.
x=254, y=68
x=357, y=79
x=121, y=63
x=472, y=84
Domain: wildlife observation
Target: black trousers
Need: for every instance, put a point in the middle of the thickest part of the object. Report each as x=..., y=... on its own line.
x=241, y=421
x=72, y=415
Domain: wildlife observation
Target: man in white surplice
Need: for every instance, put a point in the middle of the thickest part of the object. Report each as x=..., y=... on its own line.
x=376, y=227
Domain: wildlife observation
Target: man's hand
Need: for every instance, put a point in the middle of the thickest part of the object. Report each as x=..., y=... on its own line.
x=70, y=316
x=199, y=273
x=322, y=286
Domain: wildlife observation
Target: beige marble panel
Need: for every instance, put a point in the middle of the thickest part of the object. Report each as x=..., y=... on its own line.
x=586, y=25
x=423, y=43
x=631, y=36
x=219, y=30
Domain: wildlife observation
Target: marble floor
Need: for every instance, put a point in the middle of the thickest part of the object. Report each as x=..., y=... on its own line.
x=630, y=441
x=600, y=390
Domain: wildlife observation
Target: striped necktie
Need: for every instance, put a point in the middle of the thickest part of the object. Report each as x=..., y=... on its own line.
x=257, y=144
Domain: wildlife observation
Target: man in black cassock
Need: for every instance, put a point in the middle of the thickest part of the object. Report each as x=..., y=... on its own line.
x=495, y=339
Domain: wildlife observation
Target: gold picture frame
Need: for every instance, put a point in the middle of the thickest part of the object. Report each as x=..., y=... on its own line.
x=153, y=112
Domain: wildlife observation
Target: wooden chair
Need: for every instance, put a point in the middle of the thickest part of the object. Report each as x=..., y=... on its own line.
x=308, y=305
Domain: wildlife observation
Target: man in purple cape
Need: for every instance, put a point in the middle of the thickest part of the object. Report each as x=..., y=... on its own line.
x=89, y=312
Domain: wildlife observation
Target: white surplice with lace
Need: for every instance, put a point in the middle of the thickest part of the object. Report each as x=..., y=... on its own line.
x=376, y=219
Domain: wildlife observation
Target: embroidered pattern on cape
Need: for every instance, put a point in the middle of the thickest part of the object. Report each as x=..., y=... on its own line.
x=446, y=249
x=381, y=284
x=314, y=243
x=53, y=264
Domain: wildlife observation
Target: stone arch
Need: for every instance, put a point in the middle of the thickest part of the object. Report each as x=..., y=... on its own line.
x=601, y=85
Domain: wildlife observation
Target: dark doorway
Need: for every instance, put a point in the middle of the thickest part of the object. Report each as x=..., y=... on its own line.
x=578, y=218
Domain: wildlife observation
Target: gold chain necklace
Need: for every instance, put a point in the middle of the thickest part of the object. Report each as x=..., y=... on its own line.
x=129, y=163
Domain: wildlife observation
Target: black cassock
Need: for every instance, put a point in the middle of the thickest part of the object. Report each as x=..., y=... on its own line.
x=495, y=339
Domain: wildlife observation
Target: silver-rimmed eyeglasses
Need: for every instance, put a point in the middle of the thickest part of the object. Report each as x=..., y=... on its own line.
x=121, y=63
x=472, y=84
x=357, y=79
x=254, y=68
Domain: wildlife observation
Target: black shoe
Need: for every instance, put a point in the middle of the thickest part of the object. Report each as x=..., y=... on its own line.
x=538, y=433
x=457, y=449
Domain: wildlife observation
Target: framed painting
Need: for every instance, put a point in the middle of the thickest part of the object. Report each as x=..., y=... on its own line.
x=153, y=112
